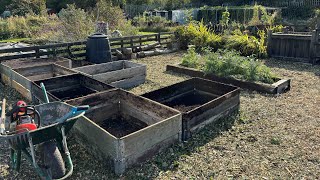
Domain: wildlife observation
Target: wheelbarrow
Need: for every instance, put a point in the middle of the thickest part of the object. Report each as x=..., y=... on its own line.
x=55, y=120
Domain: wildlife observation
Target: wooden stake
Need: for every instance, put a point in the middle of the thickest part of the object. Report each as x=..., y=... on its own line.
x=3, y=116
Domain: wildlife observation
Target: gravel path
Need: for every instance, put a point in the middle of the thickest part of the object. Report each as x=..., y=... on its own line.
x=275, y=137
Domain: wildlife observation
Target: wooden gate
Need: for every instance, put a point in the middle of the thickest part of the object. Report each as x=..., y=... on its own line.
x=295, y=46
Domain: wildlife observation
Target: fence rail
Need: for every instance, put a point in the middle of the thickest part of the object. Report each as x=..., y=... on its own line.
x=77, y=49
x=294, y=3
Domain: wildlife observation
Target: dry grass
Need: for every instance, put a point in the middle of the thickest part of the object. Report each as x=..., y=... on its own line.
x=275, y=137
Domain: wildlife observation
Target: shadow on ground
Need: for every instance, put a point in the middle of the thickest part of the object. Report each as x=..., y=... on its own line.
x=168, y=160
x=293, y=66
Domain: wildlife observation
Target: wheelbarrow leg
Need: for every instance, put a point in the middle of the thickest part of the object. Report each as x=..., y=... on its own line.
x=67, y=153
x=40, y=172
x=32, y=152
x=15, y=159
x=32, y=158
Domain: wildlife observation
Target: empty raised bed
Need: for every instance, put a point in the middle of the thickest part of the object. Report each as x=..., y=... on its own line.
x=126, y=129
x=200, y=101
x=280, y=85
x=121, y=74
x=7, y=66
x=22, y=78
x=67, y=87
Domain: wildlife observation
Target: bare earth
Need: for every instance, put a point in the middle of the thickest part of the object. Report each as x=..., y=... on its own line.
x=275, y=137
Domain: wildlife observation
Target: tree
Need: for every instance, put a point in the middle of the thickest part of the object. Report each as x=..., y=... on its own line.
x=104, y=11
x=87, y=5
x=23, y=7
x=76, y=22
x=4, y=4
x=57, y=5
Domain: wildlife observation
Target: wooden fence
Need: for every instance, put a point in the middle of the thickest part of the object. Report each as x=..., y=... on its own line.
x=294, y=3
x=77, y=50
x=295, y=46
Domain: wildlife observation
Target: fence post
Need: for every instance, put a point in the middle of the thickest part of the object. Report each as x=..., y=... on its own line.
x=314, y=40
x=37, y=52
x=158, y=37
x=54, y=49
x=131, y=41
x=140, y=40
x=269, y=43
x=121, y=43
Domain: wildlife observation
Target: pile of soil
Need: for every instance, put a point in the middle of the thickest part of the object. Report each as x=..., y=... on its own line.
x=184, y=108
x=120, y=126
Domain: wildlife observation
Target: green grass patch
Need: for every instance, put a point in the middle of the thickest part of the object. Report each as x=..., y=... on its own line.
x=14, y=40
x=145, y=33
x=275, y=141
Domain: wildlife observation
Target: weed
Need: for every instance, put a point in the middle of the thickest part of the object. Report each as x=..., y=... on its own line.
x=152, y=23
x=243, y=119
x=275, y=141
x=225, y=17
x=191, y=59
x=277, y=28
x=196, y=33
x=176, y=164
x=228, y=64
x=246, y=45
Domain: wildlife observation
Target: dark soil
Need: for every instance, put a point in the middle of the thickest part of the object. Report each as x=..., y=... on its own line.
x=190, y=101
x=120, y=126
x=184, y=108
x=73, y=93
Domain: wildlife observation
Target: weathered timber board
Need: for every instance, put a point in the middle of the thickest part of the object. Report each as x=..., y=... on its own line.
x=21, y=72
x=73, y=50
x=73, y=63
x=280, y=86
x=67, y=87
x=121, y=74
x=163, y=128
x=7, y=66
x=209, y=101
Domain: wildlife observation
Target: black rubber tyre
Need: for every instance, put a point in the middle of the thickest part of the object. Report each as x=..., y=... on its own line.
x=53, y=160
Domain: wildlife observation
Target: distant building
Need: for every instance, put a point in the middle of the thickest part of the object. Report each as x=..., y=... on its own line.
x=6, y=14
x=51, y=11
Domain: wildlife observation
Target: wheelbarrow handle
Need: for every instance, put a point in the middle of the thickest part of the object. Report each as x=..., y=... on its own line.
x=74, y=112
x=82, y=108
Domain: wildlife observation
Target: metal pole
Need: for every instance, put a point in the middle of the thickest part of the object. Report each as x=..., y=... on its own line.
x=44, y=92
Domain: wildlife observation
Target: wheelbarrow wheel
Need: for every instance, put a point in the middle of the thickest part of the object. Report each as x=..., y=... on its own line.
x=53, y=160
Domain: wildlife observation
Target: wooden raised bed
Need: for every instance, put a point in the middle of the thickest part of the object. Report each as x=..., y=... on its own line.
x=22, y=78
x=7, y=73
x=67, y=87
x=125, y=129
x=121, y=74
x=7, y=66
x=200, y=101
x=73, y=63
x=280, y=86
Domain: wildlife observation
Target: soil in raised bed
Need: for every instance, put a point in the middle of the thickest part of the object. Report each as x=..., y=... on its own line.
x=73, y=93
x=120, y=126
x=190, y=100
